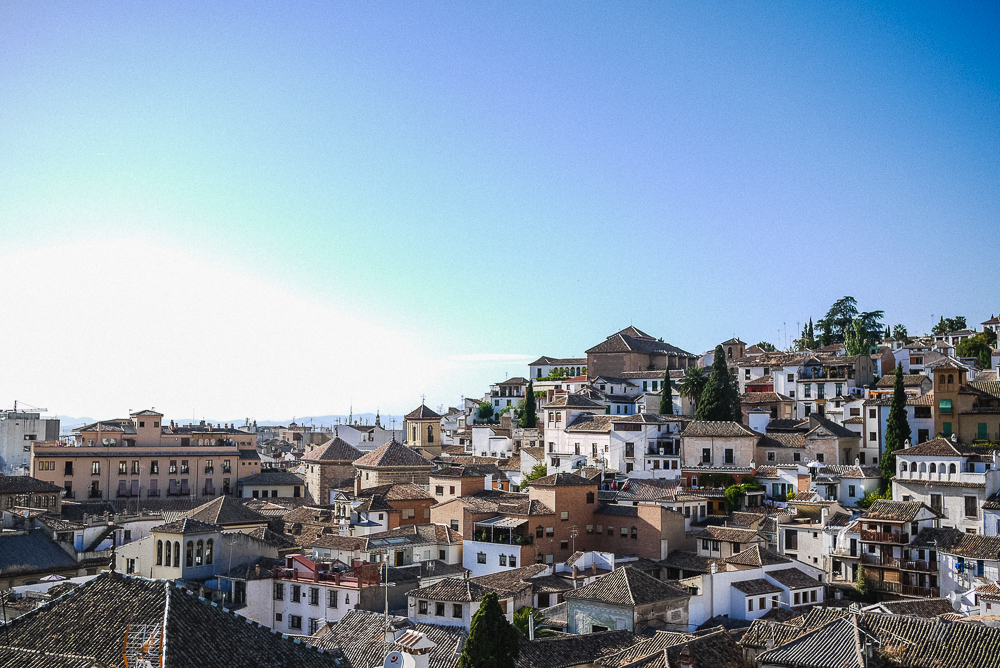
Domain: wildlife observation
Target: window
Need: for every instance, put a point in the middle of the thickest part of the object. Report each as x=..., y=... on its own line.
x=550, y=531
x=159, y=552
x=296, y=593
x=872, y=436
x=982, y=433
x=313, y=595
x=750, y=605
x=634, y=533
x=798, y=598
x=503, y=559
x=820, y=457
x=454, y=525
x=729, y=456
x=122, y=468
x=812, y=596
x=629, y=450
x=154, y=466
x=135, y=467
x=95, y=468
x=770, y=456
x=422, y=607
x=791, y=539
x=208, y=551
x=946, y=429
x=564, y=545
x=564, y=516
x=851, y=491
x=184, y=466
x=971, y=506
x=279, y=591
x=611, y=530
x=624, y=532
x=189, y=554
x=481, y=558
x=807, y=390
x=177, y=554
x=797, y=456
x=199, y=553
x=944, y=406
x=590, y=497
x=277, y=616
x=439, y=609
x=439, y=490
x=295, y=621
x=716, y=546
x=706, y=456
x=173, y=466
x=456, y=610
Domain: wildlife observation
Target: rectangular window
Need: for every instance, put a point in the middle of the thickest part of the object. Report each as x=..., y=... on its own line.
x=936, y=502
x=791, y=539
x=872, y=436
x=729, y=458
x=122, y=468
x=564, y=515
x=871, y=413
x=456, y=610
x=749, y=605
x=334, y=598
x=798, y=598
x=512, y=561
x=807, y=390
x=294, y=621
x=971, y=506
x=944, y=406
x=439, y=609
x=184, y=466
x=851, y=491
x=313, y=595
x=296, y=593
x=481, y=558
x=439, y=490
x=770, y=456
x=95, y=468
x=422, y=607
x=154, y=466
x=629, y=450
x=279, y=591
x=502, y=559
x=454, y=525
x=812, y=596
x=706, y=456
x=550, y=531
x=173, y=466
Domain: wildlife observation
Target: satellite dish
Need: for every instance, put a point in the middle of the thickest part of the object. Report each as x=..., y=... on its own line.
x=956, y=600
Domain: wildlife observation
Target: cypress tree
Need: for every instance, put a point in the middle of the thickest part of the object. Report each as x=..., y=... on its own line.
x=667, y=398
x=529, y=417
x=735, y=399
x=897, y=430
x=716, y=399
x=492, y=641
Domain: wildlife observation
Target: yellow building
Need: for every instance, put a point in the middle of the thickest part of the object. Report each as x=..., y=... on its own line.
x=423, y=430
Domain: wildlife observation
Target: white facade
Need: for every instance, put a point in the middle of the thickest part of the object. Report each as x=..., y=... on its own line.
x=483, y=558
x=486, y=443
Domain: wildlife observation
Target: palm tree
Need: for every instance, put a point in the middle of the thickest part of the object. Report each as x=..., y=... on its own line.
x=692, y=384
x=521, y=622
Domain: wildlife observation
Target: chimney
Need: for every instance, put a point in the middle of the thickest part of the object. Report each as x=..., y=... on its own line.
x=593, y=568
x=576, y=571
x=357, y=485
x=256, y=569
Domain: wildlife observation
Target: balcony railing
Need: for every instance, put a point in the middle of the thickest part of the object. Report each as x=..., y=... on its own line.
x=879, y=560
x=209, y=469
x=503, y=538
x=905, y=590
x=885, y=537
x=914, y=565
x=94, y=494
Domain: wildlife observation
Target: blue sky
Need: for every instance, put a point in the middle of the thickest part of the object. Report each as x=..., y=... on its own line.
x=516, y=179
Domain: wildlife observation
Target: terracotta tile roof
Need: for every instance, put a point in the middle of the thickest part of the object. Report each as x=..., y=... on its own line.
x=284, y=478
x=757, y=556
x=226, y=510
x=793, y=578
x=561, y=479
x=782, y=440
x=559, y=361
x=926, y=607
x=767, y=471
x=756, y=587
x=21, y=484
x=650, y=489
x=572, y=650
x=422, y=413
x=730, y=534
x=416, y=534
x=399, y=491
x=631, y=339
x=690, y=561
x=824, y=424
x=32, y=552
x=909, y=380
x=334, y=450
x=716, y=429
x=765, y=632
x=187, y=525
x=359, y=639
x=91, y=621
x=754, y=398
x=513, y=580
x=573, y=401
x=626, y=586
x=936, y=447
x=457, y=590
x=893, y=511
x=590, y=423
x=392, y=455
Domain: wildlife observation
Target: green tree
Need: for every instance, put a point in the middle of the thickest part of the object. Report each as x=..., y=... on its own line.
x=863, y=585
x=493, y=641
x=838, y=320
x=485, y=411
x=667, y=395
x=692, y=384
x=522, y=621
x=538, y=471
x=719, y=401
x=900, y=334
x=807, y=339
x=897, y=430
x=856, y=340
x=947, y=325
x=529, y=416
x=979, y=347
x=766, y=346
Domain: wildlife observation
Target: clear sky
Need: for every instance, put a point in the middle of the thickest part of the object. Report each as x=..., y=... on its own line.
x=269, y=209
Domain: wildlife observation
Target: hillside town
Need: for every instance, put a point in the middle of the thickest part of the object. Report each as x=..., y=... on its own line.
x=635, y=504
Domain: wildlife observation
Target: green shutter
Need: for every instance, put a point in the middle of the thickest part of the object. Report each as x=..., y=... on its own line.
x=643, y=386
x=944, y=405
x=654, y=385
x=946, y=428
x=983, y=434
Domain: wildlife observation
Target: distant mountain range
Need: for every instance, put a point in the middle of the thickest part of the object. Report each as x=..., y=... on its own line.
x=68, y=423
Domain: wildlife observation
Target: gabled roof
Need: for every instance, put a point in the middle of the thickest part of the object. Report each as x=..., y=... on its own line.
x=712, y=648
x=567, y=651
x=278, y=478
x=756, y=587
x=936, y=447
x=422, y=413
x=573, y=401
x=561, y=480
x=393, y=454
x=590, y=423
x=457, y=591
x=757, y=556
x=23, y=484
x=91, y=621
x=187, y=525
x=226, y=510
x=631, y=339
x=909, y=380
x=30, y=552
x=559, y=361
x=716, y=429
x=885, y=510
x=793, y=578
x=627, y=587
x=334, y=450
x=830, y=426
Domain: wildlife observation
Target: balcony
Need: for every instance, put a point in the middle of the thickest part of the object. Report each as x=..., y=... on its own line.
x=879, y=560
x=209, y=469
x=94, y=494
x=905, y=590
x=502, y=538
x=922, y=566
x=885, y=537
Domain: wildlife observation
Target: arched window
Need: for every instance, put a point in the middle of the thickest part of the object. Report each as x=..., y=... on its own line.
x=951, y=379
x=159, y=552
x=430, y=433
x=951, y=468
x=902, y=467
x=168, y=553
x=177, y=554
x=923, y=467
x=189, y=554
x=199, y=554
x=933, y=468
x=208, y=551
x=730, y=352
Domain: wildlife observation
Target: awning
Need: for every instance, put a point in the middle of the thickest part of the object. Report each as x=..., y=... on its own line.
x=503, y=522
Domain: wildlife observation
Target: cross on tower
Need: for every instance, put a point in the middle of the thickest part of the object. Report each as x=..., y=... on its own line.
x=423, y=398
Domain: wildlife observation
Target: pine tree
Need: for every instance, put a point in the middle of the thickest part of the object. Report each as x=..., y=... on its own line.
x=529, y=417
x=492, y=641
x=667, y=398
x=897, y=430
x=717, y=398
